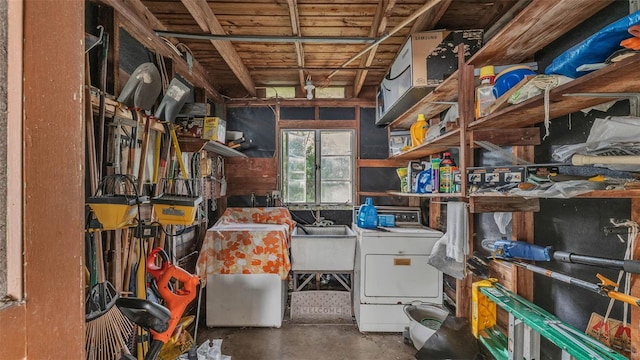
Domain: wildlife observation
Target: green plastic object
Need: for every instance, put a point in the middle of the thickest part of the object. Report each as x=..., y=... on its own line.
x=564, y=336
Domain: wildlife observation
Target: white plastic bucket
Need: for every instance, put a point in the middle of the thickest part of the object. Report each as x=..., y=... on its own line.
x=425, y=320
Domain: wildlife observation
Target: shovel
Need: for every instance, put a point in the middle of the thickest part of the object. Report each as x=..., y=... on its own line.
x=142, y=88
x=173, y=100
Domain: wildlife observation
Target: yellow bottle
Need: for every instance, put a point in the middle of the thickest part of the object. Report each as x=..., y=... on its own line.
x=419, y=130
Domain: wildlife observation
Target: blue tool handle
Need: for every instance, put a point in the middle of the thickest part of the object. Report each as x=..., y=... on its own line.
x=522, y=250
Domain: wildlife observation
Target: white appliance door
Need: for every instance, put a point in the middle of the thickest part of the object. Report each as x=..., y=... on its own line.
x=400, y=276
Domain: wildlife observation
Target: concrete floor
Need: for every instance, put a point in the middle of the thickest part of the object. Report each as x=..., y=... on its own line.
x=295, y=341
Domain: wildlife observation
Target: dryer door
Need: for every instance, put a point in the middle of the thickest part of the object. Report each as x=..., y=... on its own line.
x=400, y=276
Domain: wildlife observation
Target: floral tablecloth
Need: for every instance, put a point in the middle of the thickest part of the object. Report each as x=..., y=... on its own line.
x=248, y=241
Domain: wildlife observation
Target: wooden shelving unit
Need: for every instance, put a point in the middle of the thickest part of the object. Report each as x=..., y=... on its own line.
x=431, y=195
x=535, y=27
x=191, y=144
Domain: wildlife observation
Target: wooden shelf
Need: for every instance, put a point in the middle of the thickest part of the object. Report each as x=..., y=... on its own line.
x=536, y=26
x=621, y=77
x=432, y=195
x=437, y=145
x=596, y=194
x=194, y=145
x=430, y=105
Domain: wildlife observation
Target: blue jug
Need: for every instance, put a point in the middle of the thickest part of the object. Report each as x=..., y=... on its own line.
x=368, y=215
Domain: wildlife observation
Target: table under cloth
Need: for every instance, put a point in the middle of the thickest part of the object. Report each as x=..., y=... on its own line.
x=248, y=241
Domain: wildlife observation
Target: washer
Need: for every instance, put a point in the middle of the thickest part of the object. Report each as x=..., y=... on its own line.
x=391, y=270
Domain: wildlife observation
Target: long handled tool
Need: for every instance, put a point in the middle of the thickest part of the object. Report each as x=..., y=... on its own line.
x=605, y=288
x=511, y=249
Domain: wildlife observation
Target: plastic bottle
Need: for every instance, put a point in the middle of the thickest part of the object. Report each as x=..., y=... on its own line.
x=423, y=183
x=435, y=175
x=484, y=92
x=447, y=165
x=418, y=130
x=368, y=215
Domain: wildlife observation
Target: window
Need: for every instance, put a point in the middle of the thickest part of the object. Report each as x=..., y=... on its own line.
x=318, y=167
x=330, y=92
x=288, y=92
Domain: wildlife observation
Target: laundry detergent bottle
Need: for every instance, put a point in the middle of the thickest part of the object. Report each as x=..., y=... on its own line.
x=368, y=215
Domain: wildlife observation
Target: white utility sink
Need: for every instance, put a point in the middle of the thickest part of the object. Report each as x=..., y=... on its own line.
x=323, y=248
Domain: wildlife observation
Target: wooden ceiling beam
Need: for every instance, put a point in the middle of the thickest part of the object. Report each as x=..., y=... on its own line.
x=206, y=19
x=139, y=22
x=294, y=15
x=378, y=27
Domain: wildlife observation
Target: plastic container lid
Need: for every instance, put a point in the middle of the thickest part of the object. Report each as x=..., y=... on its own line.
x=487, y=71
x=421, y=117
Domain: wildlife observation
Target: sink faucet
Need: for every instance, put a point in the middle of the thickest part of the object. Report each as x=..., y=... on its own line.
x=323, y=222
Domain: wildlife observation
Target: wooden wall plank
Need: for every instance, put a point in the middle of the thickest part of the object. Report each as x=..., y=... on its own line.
x=54, y=179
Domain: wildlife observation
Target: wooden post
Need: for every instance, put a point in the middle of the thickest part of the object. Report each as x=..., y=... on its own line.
x=466, y=115
x=635, y=287
x=522, y=230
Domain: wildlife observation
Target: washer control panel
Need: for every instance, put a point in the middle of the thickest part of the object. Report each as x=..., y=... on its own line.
x=403, y=215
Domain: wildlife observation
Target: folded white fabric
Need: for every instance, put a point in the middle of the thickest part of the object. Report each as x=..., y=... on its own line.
x=457, y=231
x=448, y=253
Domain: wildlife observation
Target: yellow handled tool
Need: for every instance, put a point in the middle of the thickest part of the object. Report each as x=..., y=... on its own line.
x=174, y=138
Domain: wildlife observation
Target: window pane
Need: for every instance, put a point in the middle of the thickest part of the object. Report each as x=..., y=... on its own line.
x=336, y=168
x=334, y=173
x=298, y=164
x=330, y=92
x=281, y=92
x=336, y=142
x=336, y=192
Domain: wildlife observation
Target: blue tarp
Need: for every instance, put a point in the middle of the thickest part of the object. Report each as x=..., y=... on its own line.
x=595, y=49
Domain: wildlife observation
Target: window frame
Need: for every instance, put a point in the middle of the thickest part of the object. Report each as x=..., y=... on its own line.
x=318, y=204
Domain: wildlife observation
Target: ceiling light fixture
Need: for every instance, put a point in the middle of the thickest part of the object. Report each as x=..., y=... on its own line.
x=308, y=85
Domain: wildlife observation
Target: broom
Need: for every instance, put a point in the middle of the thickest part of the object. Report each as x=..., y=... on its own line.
x=106, y=326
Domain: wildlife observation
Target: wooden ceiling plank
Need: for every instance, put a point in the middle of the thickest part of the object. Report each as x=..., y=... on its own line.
x=207, y=21
x=378, y=26
x=428, y=20
x=430, y=4
x=139, y=22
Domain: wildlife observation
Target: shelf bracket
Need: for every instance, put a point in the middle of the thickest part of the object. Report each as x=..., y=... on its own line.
x=634, y=99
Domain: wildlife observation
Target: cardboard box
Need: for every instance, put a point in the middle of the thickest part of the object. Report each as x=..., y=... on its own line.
x=426, y=59
x=541, y=171
x=398, y=140
x=191, y=126
x=413, y=169
x=495, y=176
x=214, y=129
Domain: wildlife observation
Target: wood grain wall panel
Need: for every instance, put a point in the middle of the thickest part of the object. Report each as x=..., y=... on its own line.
x=247, y=175
x=54, y=148
x=12, y=337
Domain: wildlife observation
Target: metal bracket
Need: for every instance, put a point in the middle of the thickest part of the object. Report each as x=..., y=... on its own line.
x=634, y=99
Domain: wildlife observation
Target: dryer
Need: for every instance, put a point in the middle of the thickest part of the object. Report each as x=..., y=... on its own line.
x=391, y=270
